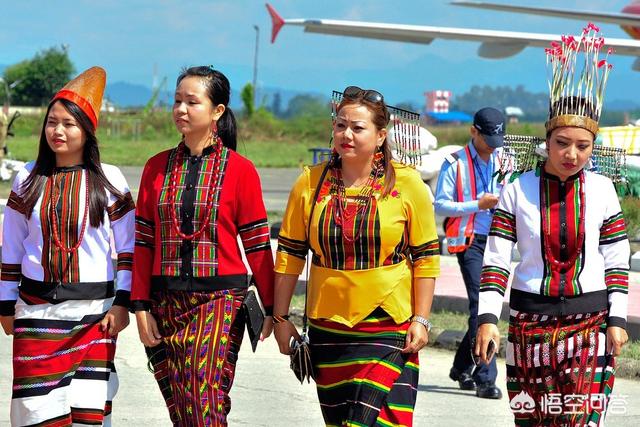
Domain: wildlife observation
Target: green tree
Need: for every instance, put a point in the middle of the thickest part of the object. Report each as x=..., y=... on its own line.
x=307, y=105
x=40, y=77
x=247, y=99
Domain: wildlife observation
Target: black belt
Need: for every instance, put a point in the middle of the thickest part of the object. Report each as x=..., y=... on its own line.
x=529, y=302
x=198, y=284
x=58, y=292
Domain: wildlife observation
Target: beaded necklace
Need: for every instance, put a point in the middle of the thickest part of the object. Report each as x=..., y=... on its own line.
x=557, y=265
x=341, y=214
x=53, y=214
x=173, y=184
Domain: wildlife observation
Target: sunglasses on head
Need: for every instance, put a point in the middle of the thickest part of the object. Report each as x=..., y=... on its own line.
x=353, y=92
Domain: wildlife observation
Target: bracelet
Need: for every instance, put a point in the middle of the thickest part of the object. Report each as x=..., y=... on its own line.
x=423, y=321
x=279, y=319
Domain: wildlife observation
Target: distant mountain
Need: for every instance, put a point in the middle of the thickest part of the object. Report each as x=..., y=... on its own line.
x=622, y=105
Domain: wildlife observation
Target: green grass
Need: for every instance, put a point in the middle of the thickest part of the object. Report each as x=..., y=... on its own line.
x=136, y=153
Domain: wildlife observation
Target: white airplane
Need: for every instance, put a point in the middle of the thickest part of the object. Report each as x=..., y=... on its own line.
x=494, y=44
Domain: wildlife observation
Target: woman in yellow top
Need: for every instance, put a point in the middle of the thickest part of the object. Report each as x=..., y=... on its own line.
x=375, y=259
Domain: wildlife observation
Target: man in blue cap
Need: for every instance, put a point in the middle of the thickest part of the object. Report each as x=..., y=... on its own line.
x=466, y=195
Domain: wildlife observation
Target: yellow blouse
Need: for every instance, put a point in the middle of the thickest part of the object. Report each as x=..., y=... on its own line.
x=348, y=280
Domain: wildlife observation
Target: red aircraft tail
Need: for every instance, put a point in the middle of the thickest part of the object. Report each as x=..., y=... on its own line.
x=276, y=22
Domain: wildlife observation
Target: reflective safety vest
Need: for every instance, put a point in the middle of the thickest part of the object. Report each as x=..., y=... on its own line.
x=459, y=230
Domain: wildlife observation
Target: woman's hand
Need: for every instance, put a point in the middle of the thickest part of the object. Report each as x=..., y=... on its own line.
x=116, y=319
x=616, y=338
x=486, y=333
x=417, y=337
x=148, y=329
x=267, y=328
x=7, y=324
x=284, y=332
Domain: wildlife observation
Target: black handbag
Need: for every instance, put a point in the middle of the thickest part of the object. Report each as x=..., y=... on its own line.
x=254, y=315
x=300, y=354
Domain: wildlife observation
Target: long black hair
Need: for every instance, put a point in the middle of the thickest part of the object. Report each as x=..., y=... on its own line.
x=219, y=91
x=46, y=164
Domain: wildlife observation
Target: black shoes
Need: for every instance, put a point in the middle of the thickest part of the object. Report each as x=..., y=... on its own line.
x=488, y=391
x=465, y=381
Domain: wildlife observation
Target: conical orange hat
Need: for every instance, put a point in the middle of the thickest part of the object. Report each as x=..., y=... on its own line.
x=86, y=92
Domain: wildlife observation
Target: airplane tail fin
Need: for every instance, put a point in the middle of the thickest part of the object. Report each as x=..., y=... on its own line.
x=276, y=22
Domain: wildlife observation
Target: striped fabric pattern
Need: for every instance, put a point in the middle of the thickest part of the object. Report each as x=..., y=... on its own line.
x=120, y=207
x=297, y=248
x=145, y=232
x=58, y=266
x=16, y=203
x=494, y=278
x=255, y=236
x=201, y=336
x=11, y=272
x=431, y=248
x=561, y=356
x=617, y=280
x=503, y=225
x=362, y=378
x=63, y=368
x=205, y=259
x=613, y=230
x=125, y=261
x=361, y=254
x=562, y=216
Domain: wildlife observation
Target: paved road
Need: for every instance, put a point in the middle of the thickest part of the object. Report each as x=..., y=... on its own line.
x=265, y=392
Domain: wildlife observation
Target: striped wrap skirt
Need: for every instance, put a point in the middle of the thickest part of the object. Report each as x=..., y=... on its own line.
x=195, y=363
x=558, y=372
x=362, y=378
x=63, y=370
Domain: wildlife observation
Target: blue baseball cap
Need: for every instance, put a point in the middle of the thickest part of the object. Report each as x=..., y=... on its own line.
x=491, y=124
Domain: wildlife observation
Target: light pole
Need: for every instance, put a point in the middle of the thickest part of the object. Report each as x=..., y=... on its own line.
x=255, y=67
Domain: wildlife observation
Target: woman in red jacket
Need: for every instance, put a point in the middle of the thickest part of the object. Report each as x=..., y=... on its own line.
x=189, y=277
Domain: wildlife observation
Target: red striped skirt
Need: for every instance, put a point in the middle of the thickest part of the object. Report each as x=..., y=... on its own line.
x=557, y=371
x=195, y=363
x=63, y=370
x=362, y=378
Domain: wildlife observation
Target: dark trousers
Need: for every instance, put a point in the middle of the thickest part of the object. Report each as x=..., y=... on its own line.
x=470, y=262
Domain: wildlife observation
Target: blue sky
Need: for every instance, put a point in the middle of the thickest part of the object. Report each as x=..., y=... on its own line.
x=129, y=38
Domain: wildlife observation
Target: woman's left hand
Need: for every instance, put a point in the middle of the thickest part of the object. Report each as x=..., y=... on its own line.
x=267, y=328
x=417, y=337
x=616, y=338
x=116, y=319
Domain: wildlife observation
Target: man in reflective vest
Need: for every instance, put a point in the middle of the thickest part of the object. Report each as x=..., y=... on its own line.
x=466, y=195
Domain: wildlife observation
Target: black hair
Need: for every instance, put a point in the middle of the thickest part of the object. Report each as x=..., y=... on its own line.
x=45, y=166
x=219, y=92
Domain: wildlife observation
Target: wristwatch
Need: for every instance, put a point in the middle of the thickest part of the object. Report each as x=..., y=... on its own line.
x=422, y=320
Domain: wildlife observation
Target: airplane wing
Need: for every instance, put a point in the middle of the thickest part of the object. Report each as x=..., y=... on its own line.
x=622, y=19
x=494, y=44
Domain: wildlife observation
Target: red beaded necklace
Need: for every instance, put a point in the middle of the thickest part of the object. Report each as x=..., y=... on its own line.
x=556, y=264
x=341, y=214
x=173, y=185
x=53, y=214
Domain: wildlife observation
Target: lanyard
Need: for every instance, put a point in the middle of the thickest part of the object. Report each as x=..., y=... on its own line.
x=484, y=180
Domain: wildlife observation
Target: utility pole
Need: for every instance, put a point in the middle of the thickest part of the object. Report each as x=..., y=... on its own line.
x=255, y=68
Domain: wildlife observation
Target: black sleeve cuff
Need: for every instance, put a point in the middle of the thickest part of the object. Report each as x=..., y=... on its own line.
x=617, y=321
x=268, y=311
x=140, y=305
x=487, y=318
x=123, y=298
x=8, y=308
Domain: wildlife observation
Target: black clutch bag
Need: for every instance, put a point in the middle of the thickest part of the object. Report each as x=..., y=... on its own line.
x=254, y=315
x=301, y=359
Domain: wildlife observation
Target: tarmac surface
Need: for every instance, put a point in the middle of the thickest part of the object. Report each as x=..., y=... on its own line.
x=266, y=393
